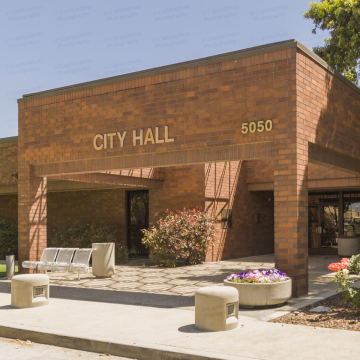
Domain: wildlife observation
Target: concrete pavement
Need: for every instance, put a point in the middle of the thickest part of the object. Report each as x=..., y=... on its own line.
x=20, y=350
x=145, y=332
x=149, y=323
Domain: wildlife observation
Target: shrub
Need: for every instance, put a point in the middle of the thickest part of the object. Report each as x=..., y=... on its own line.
x=8, y=239
x=350, y=293
x=82, y=236
x=184, y=235
x=354, y=264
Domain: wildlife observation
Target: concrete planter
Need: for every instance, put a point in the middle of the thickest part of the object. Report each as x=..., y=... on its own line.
x=348, y=246
x=262, y=294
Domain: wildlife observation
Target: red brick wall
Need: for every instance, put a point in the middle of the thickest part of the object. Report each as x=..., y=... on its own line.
x=9, y=208
x=8, y=162
x=328, y=108
x=252, y=231
x=103, y=207
x=183, y=187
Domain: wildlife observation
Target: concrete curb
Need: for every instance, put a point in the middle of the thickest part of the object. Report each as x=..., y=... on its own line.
x=136, y=350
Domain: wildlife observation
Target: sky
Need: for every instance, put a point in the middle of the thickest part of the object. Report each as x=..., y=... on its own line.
x=48, y=44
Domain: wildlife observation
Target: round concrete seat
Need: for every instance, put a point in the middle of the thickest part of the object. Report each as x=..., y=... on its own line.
x=216, y=308
x=29, y=290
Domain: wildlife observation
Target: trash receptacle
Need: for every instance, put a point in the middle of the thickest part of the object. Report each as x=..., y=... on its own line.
x=103, y=259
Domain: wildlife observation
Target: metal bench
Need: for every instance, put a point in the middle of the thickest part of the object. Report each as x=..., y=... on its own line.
x=47, y=257
x=81, y=261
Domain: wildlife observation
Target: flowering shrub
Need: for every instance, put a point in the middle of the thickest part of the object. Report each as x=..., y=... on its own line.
x=258, y=276
x=342, y=277
x=184, y=235
x=340, y=265
x=354, y=264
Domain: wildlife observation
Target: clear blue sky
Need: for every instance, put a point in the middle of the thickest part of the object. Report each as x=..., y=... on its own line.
x=48, y=44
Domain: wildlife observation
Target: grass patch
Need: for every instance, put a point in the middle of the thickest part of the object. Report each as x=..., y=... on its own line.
x=3, y=270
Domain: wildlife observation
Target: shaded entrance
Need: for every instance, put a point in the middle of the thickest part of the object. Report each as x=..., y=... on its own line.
x=138, y=219
x=332, y=215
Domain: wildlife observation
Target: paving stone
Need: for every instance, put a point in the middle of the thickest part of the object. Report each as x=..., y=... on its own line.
x=321, y=309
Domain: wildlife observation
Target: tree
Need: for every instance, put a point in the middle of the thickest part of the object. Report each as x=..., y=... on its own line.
x=342, y=49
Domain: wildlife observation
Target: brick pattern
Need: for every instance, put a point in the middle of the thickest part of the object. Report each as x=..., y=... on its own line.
x=9, y=208
x=252, y=231
x=32, y=216
x=183, y=188
x=202, y=107
x=263, y=171
x=103, y=207
x=8, y=162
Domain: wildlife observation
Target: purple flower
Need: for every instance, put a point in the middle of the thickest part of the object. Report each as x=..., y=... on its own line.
x=258, y=276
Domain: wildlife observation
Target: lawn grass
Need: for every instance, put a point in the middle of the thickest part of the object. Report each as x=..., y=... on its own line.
x=3, y=270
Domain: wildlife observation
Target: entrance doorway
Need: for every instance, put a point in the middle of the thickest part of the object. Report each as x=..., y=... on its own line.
x=323, y=229
x=332, y=214
x=138, y=219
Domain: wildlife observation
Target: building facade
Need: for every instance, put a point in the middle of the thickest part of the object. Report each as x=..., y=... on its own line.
x=266, y=138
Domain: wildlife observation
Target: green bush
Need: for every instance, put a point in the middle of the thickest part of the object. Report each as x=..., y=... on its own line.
x=82, y=236
x=354, y=264
x=184, y=235
x=8, y=239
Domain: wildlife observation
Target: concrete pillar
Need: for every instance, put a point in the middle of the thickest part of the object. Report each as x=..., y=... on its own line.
x=32, y=223
x=291, y=207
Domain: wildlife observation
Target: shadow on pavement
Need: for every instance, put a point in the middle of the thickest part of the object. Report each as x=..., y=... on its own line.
x=114, y=297
x=190, y=329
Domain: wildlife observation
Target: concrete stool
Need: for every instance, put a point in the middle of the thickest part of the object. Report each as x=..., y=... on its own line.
x=216, y=308
x=29, y=290
x=103, y=259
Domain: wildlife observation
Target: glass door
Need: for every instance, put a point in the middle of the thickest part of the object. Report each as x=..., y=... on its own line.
x=138, y=219
x=329, y=225
x=314, y=235
x=323, y=227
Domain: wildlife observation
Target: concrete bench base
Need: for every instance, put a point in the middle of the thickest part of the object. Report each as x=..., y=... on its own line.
x=29, y=290
x=216, y=308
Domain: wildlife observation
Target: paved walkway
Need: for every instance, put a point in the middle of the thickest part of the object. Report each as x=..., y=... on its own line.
x=147, y=313
x=151, y=333
x=185, y=280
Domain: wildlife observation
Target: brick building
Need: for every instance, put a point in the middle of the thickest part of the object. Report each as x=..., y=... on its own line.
x=270, y=133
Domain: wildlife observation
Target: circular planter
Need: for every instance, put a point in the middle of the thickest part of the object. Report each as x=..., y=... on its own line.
x=348, y=246
x=262, y=294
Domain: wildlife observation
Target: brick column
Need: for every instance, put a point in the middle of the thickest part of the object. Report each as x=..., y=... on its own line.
x=291, y=214
x=32, y=214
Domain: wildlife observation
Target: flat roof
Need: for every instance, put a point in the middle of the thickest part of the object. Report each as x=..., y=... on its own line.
x=238, y=54
x=8, y=139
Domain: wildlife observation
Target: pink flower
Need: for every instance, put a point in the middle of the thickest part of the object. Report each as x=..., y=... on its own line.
x=334, y=267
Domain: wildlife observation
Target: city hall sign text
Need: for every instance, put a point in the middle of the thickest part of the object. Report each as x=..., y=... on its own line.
x=111, y=140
